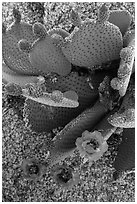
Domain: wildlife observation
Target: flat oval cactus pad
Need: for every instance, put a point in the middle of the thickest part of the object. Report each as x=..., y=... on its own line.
x=48, y=58
x=15, y=59
x=120, y=18
x=94, y=42
x=9, y=76
x=60, y=100
x=44, y=118
x=125, y=159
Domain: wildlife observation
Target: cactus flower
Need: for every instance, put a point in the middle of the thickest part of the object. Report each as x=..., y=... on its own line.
x=91, y=146
x=65, y=176
x=32, y=169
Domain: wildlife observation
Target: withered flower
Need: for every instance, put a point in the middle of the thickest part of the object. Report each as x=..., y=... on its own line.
x=32, y=169
x=65, y=176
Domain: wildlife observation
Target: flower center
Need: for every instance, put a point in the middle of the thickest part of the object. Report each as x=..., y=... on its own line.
x=65, y=175
x=93, y=143
x=33, y=169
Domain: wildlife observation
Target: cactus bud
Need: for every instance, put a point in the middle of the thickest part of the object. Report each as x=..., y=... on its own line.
x=24, y=45
x=75, y=18
x=39, y=30
x=103, y=14
x=17, y=15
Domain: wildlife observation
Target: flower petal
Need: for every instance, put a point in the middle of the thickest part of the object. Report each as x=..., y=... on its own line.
x=86, y=150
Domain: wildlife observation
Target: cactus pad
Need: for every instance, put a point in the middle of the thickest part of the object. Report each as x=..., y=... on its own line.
x=94, y=42
x=125, y=117
x=125, y=70
x=37, y=115
x=125, y=159
x=120, y=18
x=45, y=56
x=15, y=59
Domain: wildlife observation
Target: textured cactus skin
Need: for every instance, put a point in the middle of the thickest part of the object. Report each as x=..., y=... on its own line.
x=104, y=44
x=45, y=118
x=127, y=56
x=44, y=54
x=13, y=57
x=125, y=159
x=39, y=117
x=120, y=18
x=105, y=127
x=64, y=143
x=9, y=76
x=93, y=43
x=17, y=60
x=125, y=116
x=48, y=58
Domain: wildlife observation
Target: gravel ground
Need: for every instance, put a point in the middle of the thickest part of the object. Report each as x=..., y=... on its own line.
x=96, y=183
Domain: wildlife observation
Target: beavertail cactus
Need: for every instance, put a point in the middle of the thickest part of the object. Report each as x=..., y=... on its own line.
x=120, y=18
x=67, y=99
x=42, y=117
x=92, y=145
x=108, y=96
x=69, y=138
x=64, y=143
x=125, y=159
x=125, y=116
x=38, y=64
x=15, y=59
x=93, y=42
x=44, y=54
x=36, y=91
x=127, y=56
